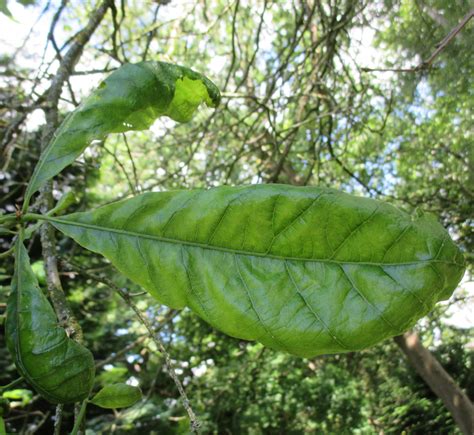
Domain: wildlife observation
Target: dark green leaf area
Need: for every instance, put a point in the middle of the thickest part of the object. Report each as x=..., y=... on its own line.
x=302, y=269
x=131, y=98
x=117, y=396
x=4, y=406
x=59, y=368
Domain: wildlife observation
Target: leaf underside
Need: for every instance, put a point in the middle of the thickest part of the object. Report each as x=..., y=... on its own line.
x=59, y=368
x=117, y=396
x=131, y=98
x=301, y=269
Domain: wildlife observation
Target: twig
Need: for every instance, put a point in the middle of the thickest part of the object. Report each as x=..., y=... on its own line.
x=80, y=417
x=41, y=422
x=123, y=351
x=449, y=37
x=53, y=26
x=48, y=239
x=132, y=161
x=195, y=424
x=167, y=317
x=11, y=384
x=58, y=419
x=439, y=48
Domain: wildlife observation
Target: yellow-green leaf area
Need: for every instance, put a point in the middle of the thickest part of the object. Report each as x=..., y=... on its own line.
x=306, y=270
x=188, y=95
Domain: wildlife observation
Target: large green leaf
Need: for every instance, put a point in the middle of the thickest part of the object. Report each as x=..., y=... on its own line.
x=302, y=269
x=59, y=368
x=131, y=98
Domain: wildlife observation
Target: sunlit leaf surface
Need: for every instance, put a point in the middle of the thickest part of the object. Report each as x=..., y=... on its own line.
x=305, y=270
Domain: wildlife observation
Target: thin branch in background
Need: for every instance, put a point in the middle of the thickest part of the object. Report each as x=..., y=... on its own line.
x=122, y=167
x=27, y=38
x=48, y=239
x=115, y=356
x=132, y=161
x=234, y=52
x=58, y=419
x=439, y=48
x=166, y=319
x=115, y=30
x=93, y=71
x=54, y=22
x=195, y=424
x=151, y=34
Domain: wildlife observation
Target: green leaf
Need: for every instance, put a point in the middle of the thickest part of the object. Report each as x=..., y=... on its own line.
x=4, y=406
x=38, y=269
x=113, y=376
x=117, y=396
x=131, y=98
x=59, y=368
x=3, y=430
x=4, y=231
x=20, y=394
x=64, y=202
x=302, y=269
x=4, y=9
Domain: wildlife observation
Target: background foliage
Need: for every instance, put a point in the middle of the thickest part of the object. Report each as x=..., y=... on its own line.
x=298, y=107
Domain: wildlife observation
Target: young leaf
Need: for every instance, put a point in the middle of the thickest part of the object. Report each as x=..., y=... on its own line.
x=303, y=269
x=117, y=396
x=59, y=368
x=64, y=202
x=131, y=98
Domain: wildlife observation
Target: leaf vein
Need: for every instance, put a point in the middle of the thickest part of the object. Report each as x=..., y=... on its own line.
x=235, y=251
x=364, y=297
x=310, y=308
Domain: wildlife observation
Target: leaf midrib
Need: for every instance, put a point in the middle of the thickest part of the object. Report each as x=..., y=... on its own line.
x=235, y=251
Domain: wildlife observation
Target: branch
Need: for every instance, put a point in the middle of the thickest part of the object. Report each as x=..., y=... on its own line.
x=428, y=367
x=439, y=48
x=46, y=200
x=48, y=239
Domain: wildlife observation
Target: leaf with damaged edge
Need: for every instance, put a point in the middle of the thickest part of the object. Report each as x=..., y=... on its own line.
x=131, y=98
x=117, y=396
x=303, y=269
x=59, y=369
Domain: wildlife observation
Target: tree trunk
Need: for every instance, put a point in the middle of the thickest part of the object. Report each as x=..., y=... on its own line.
x=438, y=380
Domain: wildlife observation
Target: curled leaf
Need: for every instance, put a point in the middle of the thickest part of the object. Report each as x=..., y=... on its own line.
x=117, y=396
x=131, y=98
x=302, y=269
x=59, y=368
